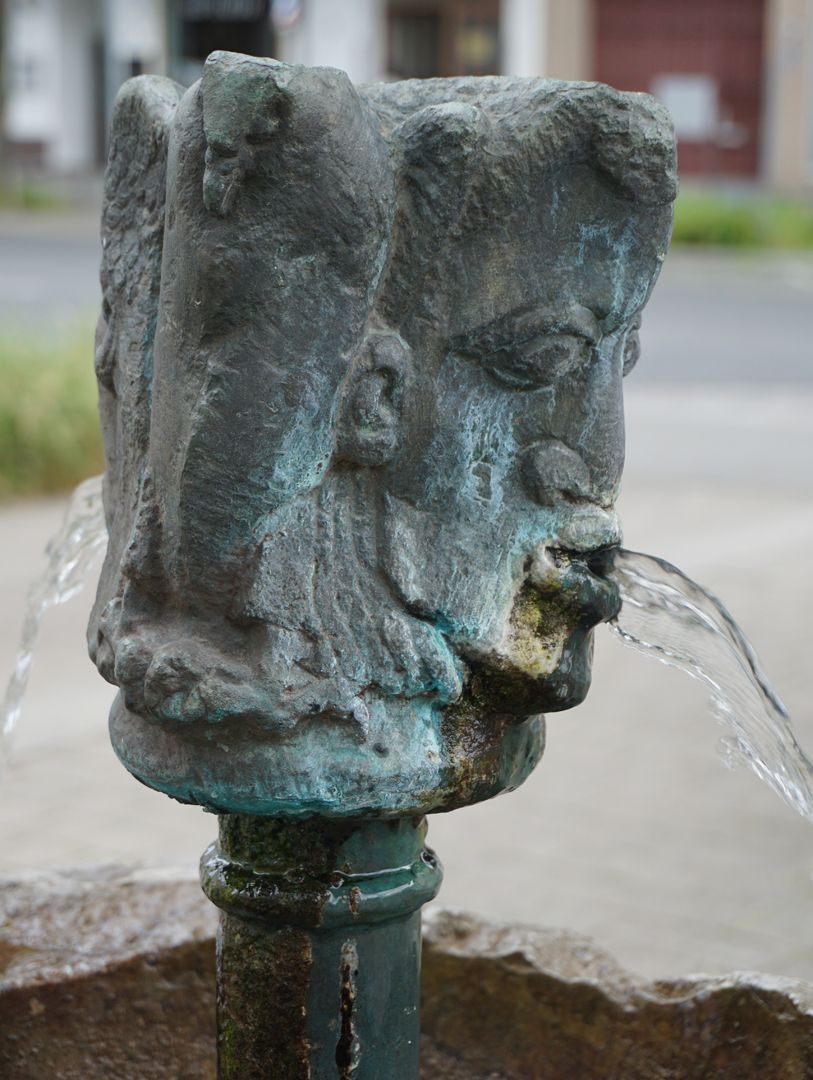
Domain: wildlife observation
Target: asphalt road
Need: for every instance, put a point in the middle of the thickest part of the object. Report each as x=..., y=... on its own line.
x=725, y=318
x=712, y=318
x=727, y=343
x=49, y=269
x=630, y=829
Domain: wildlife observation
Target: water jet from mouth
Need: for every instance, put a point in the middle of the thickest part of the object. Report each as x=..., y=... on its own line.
x=666, y=615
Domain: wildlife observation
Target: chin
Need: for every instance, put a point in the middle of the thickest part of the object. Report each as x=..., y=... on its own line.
x=570, y=682
x=503, y=688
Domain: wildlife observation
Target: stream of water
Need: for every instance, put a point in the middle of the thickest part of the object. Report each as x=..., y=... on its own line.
x=69, y=556
x=666, y=615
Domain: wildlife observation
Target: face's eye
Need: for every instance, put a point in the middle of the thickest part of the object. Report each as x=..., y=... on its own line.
x=539, y=362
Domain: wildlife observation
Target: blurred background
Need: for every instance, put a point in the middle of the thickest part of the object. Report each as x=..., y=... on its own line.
x=736, y=74
x=630, y=829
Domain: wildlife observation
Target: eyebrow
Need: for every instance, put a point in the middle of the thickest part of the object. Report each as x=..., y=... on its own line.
x=521, y=325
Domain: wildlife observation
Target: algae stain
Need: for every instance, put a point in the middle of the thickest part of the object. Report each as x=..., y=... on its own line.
x=535, y=634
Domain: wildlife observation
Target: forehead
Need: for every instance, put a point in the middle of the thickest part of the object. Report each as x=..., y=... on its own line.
x=564, y=239
x=525, y=194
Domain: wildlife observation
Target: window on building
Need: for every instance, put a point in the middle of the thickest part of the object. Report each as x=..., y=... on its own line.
x=414, y=44
x=202, y=26
x=442, y=37
x=24, y=74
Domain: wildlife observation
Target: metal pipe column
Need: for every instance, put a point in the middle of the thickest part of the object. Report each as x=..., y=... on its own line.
x=318, y=953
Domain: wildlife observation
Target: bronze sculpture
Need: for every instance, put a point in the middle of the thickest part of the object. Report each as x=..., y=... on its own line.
x=360, y=369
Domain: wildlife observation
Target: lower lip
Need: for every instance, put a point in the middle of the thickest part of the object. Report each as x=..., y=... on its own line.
x=586, y=572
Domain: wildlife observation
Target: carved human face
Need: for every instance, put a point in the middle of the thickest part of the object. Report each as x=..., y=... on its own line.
x=499, y=515
x=362, y=404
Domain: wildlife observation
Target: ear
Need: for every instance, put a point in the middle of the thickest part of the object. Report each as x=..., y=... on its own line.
x=369, y=422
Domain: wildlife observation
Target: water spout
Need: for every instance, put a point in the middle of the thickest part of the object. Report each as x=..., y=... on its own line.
x=82, y=535
x=667, y=615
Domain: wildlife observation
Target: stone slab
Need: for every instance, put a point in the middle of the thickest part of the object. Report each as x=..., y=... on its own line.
x=520, y=1003
x=110, y=973
x=106, y=973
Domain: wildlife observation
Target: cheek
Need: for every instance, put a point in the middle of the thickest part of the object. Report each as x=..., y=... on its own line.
x=472, y=452
x=484, y=451
x=459, y=548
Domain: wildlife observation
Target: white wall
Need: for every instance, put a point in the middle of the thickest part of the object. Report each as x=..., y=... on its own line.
x=787, y=141
x=72, y=148
x=338, y=33
x=53, y=39
x=808, y=169
x=523, y=37
x=135, y=30
x=31, y=54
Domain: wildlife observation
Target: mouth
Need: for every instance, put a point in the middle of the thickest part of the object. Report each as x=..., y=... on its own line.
x=543, y=663
x=573, y=572
x=577, y=581
x=576, y=584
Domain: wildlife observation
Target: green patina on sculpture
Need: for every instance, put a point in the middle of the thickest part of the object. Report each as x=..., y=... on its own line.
x=360, y=365
x=319, y=946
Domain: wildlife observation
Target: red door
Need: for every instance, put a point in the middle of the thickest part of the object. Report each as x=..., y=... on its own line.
x=703, y=58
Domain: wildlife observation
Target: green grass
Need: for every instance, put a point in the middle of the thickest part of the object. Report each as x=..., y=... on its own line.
x=25, y=195
x=49, y=427
x=744, y=222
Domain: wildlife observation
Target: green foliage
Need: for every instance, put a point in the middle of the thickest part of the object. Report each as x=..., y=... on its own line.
x=23, y=195
x=730, y=221
x=49, y=427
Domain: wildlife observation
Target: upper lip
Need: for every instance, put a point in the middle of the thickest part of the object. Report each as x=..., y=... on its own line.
x=587, y=530
x=600, y=560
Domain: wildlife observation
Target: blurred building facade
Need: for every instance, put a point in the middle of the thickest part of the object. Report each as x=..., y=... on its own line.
x=737, y=75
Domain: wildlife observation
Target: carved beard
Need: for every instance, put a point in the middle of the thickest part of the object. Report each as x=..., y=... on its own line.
x=321, y=632
x=336, y=639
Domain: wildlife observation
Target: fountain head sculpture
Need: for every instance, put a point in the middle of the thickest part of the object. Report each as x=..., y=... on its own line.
x=360, y=368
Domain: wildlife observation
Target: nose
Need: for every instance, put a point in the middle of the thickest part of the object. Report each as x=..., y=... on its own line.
x=550, y=469
x=600, y=440
x=586, y=461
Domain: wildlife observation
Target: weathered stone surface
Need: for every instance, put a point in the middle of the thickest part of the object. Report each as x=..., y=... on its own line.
x=106, y=974
x=111, y=975
x=360, y=365
x=521, y=1003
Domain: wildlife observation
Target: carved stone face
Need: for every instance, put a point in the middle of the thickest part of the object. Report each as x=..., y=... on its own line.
x=360, y=484
x=499, y=512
